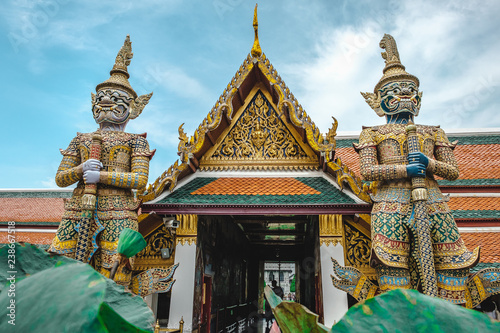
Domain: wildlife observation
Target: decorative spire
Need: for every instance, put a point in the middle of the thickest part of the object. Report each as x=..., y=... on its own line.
x=256, y=50
x=393, y=70
x=123, y=58
x=391, y=54
x=119, y=74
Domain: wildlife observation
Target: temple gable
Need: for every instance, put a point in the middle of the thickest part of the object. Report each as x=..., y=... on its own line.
x=259, y=137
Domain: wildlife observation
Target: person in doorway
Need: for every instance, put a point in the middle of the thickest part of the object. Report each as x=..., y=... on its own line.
x=269, y=313
x=277, y=289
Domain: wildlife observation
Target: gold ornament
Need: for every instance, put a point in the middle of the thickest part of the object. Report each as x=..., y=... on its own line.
x=256, y=50
x=319, y=147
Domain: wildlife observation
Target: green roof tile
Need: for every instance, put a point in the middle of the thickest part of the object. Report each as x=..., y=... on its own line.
x=469, y=182
x=483, y=265
x=462, y=140
x=36, y=194
x=329, y=195
x=476, y=214
x=32, y=223
x=346, y=143
x=476, y=140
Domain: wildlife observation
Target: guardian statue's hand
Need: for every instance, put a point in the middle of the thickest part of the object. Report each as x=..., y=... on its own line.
x=91, y=176
x=418, y=158
x=92, y=164
x=415, y=170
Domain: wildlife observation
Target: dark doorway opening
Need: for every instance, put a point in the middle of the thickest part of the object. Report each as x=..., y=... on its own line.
x=235, y=251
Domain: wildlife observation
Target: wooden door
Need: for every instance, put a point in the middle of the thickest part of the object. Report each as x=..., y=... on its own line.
x=206, y=303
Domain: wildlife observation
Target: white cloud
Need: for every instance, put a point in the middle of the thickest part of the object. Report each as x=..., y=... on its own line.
x=160, y=126
x=433, y=45
x=326, y=51
x=49, y=182
x=174, y=80
x=38, y=25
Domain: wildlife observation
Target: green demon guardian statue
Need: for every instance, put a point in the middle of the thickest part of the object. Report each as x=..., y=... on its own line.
x=415, y=240
x=107, y=165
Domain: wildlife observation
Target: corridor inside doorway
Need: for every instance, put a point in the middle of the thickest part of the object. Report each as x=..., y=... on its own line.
x=283, y=272
x=236, y=256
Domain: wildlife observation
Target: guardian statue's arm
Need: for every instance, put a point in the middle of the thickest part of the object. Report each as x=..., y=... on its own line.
x=70, y=170
x=445, y=164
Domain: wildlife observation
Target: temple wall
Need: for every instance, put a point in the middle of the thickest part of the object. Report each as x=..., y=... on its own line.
x=182, y=291
x=334, y=300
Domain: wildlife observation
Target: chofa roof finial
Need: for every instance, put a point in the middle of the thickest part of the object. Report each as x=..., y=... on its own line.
x=256, y=50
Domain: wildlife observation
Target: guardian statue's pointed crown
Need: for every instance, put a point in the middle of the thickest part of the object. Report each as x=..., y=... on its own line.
x=119, y=74
x=394, y=69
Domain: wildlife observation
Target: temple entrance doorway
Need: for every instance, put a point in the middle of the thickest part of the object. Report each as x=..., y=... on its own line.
x=284, y=248
x=240, y=254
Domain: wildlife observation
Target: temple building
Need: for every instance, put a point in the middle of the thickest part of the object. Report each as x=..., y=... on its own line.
x=259, y=192
x=226, y=253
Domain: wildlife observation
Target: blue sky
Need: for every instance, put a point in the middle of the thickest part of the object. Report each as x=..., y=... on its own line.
x=54, y=53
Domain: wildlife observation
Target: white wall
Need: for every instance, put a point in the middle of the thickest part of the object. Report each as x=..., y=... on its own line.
x=152, y=302
x=181, y=303
x=334, y=300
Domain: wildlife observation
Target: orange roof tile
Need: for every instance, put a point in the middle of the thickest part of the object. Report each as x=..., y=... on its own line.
x=474, y=161
x=31, y=209
x=474, y=203
x=256, y=186
x=490, y=252
x=478, y=161
x=349, y=157
x=29, y=237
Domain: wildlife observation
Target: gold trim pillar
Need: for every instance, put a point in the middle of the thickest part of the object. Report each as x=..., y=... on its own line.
x=188, y=229
x=331, y=246
x=330, y=229
x=183, y=289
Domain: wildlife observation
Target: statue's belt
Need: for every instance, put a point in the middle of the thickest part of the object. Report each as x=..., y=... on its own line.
x=105, y=191
x=406, y=183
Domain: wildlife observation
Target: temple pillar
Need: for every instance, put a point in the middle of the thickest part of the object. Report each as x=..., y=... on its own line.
x=330, y=238
x=183, y=289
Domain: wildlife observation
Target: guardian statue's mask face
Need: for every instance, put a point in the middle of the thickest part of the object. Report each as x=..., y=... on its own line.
x=401, y=96
x=112, y=106
x=115, y=102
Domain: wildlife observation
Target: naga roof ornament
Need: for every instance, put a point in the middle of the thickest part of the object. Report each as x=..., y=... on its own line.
x=119, y=74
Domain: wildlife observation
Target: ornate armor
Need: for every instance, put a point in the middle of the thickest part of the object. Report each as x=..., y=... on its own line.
x=125, y=159
x=383, y=154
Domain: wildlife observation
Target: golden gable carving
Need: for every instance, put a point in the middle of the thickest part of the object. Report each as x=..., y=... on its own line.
x=259, y=138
